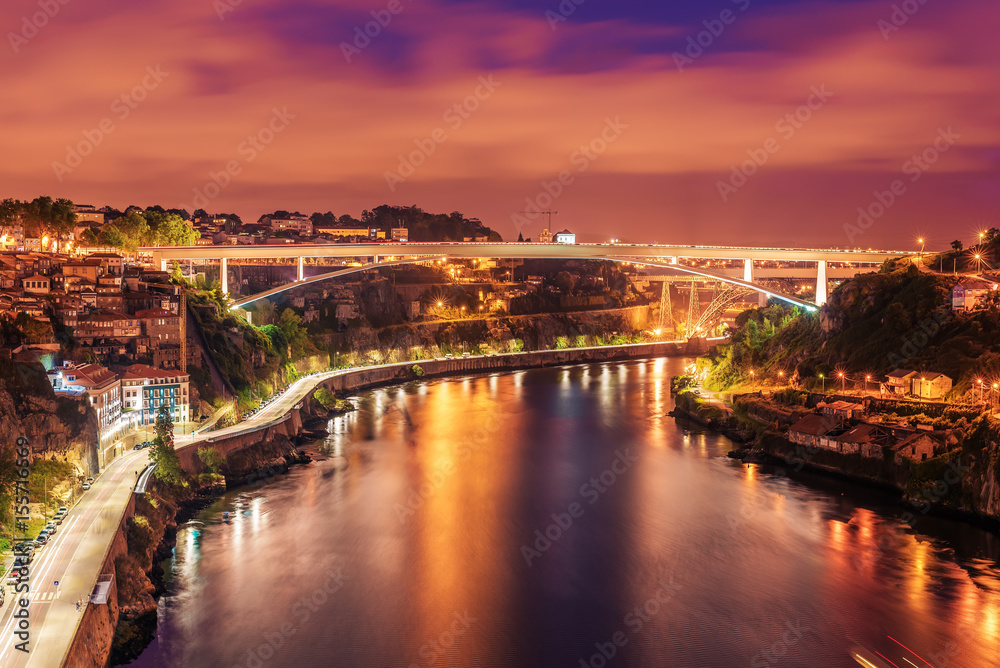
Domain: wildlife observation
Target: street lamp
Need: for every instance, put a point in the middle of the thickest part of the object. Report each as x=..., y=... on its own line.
x=867, y=380
x=751, y=380
x=823, y=378
x=843, y=381
x=980, y=381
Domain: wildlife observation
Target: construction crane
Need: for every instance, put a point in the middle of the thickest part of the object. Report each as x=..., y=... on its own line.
x=543, y=213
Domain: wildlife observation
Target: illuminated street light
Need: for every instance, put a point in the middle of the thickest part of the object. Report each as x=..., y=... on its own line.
x=823, y=378
x=980, y=381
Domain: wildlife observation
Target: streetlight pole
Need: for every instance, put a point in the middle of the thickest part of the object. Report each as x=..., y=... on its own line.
x=823, y=378
x=867, y=378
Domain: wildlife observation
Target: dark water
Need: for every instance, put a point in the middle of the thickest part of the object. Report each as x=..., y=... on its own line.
x=410, y=546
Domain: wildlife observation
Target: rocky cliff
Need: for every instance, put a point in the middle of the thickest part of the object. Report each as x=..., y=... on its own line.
x=57, y=427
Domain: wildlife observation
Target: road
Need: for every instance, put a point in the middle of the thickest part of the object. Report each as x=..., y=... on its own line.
x=73, y=559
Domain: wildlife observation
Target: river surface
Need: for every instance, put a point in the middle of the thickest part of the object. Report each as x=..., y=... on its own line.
x=559, y=517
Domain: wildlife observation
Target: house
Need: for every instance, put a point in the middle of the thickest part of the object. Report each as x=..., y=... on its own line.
x=931, y=385
x=292, y=223
x=399, y=234
x=864, y=439
x=966, y=294
x=900, y=381
x=160, y=325
x=98, y=385
x=145, y=389
x=545, y=236
x=918, y=447
x=37, y=284
x=87, y=214
x=812, y=427
x=845, y=410
x=565, y=237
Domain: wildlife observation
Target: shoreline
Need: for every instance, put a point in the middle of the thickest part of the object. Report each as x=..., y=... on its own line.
x=747, y=453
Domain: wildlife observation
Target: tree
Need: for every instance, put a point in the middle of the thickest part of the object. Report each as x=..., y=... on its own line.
x=162, y=452
x=168, y=229
x=127, y=233
x=263, y=313
x=43, y=215
x=520, y=237
x=956, y=244
x=213, y=460
x=279, y=343
x=564, y=281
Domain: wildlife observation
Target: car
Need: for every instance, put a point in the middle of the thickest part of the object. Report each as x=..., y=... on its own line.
x=86, y=486
x=449, y=356
x=466, y=354
x=63, y=509
x=43, y=537
x=137, y=446
x=25, y=549
x=58, y=519
x=91, y=480
x=51, y=528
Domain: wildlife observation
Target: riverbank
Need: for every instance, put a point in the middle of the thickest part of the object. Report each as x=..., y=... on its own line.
x=950, y=485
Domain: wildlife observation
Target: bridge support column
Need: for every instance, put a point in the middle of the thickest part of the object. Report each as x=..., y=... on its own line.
x=821, y=282
x=224, y=275
x=302, y=269
x=748, y=271
x=673, y=260
x=163, y=264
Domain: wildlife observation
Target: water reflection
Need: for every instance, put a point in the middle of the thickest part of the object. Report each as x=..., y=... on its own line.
x=465, y=516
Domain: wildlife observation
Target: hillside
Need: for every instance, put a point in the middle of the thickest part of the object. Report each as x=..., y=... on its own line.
x=872, y=324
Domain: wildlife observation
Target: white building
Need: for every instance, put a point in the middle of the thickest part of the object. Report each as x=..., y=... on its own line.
x=565, y=237
x=145, y=389
x=100, y=386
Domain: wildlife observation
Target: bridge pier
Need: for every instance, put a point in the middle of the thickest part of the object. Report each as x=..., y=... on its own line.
x=821, y=283
x=302, y=269
x=748, y=271
x=224, y=275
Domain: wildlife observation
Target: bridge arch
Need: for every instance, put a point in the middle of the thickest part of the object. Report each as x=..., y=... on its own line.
x=243, y=302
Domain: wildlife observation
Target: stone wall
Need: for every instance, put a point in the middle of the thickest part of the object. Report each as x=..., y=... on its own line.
x=92, y=642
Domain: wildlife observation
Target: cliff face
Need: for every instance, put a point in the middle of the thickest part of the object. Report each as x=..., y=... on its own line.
x=57, y=427
x=536, y=331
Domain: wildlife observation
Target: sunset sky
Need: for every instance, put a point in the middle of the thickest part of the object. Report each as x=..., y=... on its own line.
x=333, y=116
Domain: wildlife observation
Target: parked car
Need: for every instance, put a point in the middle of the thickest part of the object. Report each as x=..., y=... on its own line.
x=63, y=509
x=90, y=480
x=43, y=537
x=58, y=519
x=25, y=549
x=51, y=528
x=86, y=486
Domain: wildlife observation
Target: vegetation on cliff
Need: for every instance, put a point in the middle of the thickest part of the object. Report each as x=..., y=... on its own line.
x=899, y=317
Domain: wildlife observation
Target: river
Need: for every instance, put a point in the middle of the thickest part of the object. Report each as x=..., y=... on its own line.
x=559, y=517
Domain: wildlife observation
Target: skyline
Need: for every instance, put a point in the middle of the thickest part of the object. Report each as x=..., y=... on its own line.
x=531, y=82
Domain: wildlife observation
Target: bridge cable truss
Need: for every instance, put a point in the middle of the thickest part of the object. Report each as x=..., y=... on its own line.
x=694, y=310
x=721, y=301
x=666, y=308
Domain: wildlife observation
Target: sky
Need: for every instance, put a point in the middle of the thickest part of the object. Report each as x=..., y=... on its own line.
x=862, y=123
